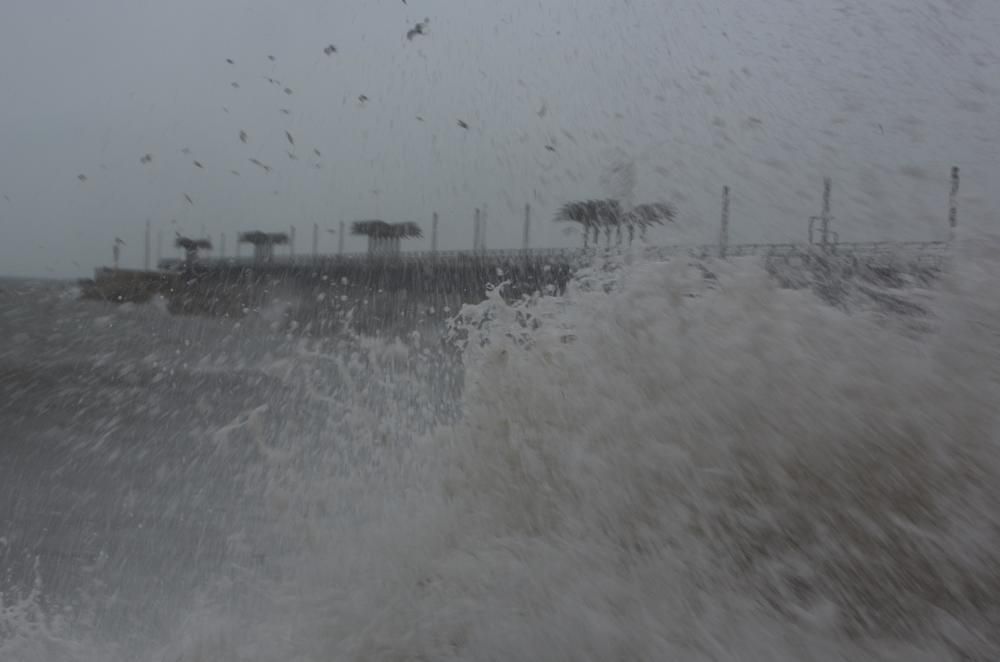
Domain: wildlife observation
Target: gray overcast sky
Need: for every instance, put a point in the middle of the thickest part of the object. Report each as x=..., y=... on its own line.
x=766, y=96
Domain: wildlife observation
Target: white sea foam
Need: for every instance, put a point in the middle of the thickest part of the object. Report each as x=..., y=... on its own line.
x=657, y=466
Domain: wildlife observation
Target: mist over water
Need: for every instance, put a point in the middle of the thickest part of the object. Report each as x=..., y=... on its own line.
x=658, y=465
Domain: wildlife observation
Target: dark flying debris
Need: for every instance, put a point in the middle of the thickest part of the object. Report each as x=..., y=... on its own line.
x=286, y=111
x=330, y=50
x=362, y=98
x=257, y=163
x=230, y=60
x=185, y=150
x=419, y=118
x=288, y=90
x=243, y=136
x=418, y=29
x=316, y=152
x=292, y=156
x=235, y=172
x=198, y=164
x=271, y=58
x=120, y=241
x=188, y=198
x=82, y=177
x=463, y=124
x=551, y=148
x=146, y=158
x=235, y=85
x=290, y=139
x=544, y=109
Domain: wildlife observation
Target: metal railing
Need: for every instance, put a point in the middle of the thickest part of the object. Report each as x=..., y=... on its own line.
x=697, y=250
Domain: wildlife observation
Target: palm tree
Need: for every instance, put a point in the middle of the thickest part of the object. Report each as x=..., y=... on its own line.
x=191, y=247
x=263, y=243
x=593, y=216
x=648, y=214
x=385, y=238
x=576, y=212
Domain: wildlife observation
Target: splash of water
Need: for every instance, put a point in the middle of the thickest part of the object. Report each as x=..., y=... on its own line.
x=658, y=465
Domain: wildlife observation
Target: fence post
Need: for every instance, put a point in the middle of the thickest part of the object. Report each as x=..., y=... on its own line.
x=434, y=233
x=953, y=204
x=825, y=216
x=475, y=232
x=145, y=261
x=724, y=229
x=526, y=239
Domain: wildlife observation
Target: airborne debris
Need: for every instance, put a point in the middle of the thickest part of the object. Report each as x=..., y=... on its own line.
x=235, y=85
x=463, y=124
x=146, y=158
x=185, y=150
x=257, y=163
x=292, y=156
x=243, y=136
x=198, y=164
x=316, y=152
x=418, y=29
x=544, y=109
x=419, y=118
x=286, y=111
x=271, y=58
x=230, y=60
x=362, y=98
x=82, y=177
x=235, y=172
x=288, y=90
x=330, y=50
x=188, y=198
x=551, y=148
x=290, y=139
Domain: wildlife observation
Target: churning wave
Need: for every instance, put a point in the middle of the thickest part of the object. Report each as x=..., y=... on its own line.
x=656, y=466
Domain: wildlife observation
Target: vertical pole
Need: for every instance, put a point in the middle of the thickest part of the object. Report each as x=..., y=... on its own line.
x=159, y=247
x=315, y=242
x=340, y=239
x=482, y=230
x=434, y=233
x=526, y=239
x=145, y=262
x=475, y=232
x=724, y=230
x=953, y=204
x=825, y=217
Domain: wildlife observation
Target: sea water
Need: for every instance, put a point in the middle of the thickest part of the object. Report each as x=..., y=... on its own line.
x=673, y=461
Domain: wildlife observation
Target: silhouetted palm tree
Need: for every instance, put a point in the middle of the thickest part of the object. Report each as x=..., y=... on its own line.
x=385, y=238
x=593, y=216
x=576, y=212
x=648, y=214
x=191, y=247
x=263, y=243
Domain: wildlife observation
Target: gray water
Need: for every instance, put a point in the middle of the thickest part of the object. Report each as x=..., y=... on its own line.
x=655, y=466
